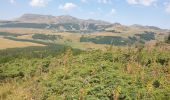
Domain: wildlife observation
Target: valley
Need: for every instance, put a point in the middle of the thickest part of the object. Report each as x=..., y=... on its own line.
x=45, y=57
x=78, y=33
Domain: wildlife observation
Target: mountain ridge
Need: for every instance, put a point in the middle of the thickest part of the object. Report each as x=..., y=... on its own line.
x=31, y=18
x=66, y=23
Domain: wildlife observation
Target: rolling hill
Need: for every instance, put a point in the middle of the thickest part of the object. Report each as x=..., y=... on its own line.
x=70, y=23
x=76, y=32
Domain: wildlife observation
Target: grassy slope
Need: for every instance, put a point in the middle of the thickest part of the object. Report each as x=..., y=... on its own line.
x=6, y=43
x=124, y=73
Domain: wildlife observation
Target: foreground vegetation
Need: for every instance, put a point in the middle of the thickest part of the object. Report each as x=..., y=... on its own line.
x=123, y=73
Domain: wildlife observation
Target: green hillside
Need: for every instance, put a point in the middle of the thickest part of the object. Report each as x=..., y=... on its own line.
x=132, y=73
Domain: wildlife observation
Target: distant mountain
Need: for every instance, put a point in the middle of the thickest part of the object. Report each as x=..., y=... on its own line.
x=145, y=27
x=69, y=23
x=36, y=18
x=67, y=19
x=60, y=23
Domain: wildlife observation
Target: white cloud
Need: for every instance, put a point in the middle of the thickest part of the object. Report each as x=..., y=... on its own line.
x=99, y=9
x=147, y=2
x=84, y=1
x=67, y=6
x=39, y=3
x=167, y=7
x=132, y=1
x=113, y=11
x=92, y=13
x=12, y=1
x=104, y=1
x=142, y=2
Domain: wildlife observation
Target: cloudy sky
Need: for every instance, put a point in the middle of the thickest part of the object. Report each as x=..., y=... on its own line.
x=128, y=12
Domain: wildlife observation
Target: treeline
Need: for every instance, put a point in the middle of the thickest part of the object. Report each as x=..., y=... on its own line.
x=10, y=34
x=147, y=36
x=24, y=25
x=47, y=37
x=115, y=40
x=67, y=26
x=52, y=50
x=118, y=41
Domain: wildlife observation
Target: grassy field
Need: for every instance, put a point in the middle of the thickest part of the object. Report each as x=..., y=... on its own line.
x=6, y=43
x=25, y=30
x=73, y=39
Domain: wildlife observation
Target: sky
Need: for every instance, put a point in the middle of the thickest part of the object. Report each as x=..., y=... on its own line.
x=127, y=12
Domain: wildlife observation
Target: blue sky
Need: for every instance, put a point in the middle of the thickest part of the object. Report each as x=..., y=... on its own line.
x=128, y=12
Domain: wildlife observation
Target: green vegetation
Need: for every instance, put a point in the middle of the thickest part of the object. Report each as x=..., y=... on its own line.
x=10, y=34
x=113, y=31
x=147, y=36
x=119, y=41
x=115, y=40
x=70, y=27
x=55, y=71
x=46, y=37
x=24, y=25
x=131, y=73
x=51, y=50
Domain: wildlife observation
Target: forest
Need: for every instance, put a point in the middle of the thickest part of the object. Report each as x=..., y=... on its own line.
x=46, y=37
x=120, y=41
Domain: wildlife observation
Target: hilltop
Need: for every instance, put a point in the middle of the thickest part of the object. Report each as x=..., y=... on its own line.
x=68, y=23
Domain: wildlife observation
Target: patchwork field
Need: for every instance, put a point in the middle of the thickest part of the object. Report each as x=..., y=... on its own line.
x=5, y=43
x=22, y=37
